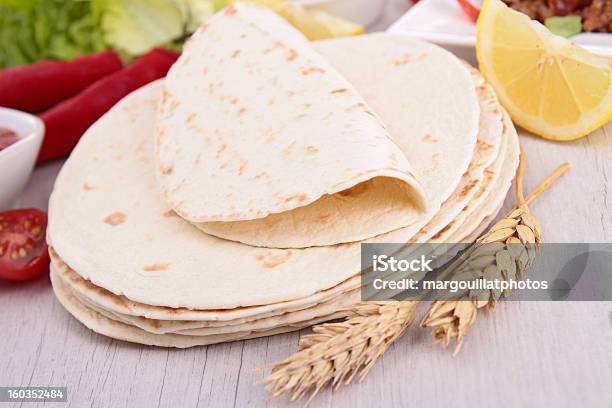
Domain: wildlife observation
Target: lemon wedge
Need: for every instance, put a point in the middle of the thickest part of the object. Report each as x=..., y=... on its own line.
x=314, y=24
x=549, y=86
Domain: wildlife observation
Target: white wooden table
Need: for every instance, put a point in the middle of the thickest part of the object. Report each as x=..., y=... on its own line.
x=536, y=354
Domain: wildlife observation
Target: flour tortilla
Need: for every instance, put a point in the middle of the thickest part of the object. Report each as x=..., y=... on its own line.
x=108, y=220
x=216, y=318
x=119, y=304
x=491, y=194
x=329, y=309
x=254, y=122
x=120, y=331
x=491, y=197
x=488, y=149
x=404, y=81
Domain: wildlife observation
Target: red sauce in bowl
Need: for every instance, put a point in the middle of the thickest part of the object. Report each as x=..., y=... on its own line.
x=7, y=137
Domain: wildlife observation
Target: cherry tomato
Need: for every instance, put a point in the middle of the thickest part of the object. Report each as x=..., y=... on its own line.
x=469, y=9
x=563, y=7
x=23, y=248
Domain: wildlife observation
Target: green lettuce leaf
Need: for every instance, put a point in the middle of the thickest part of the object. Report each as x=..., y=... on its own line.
x=31, y=30
x=566, y=26
x=136, y=26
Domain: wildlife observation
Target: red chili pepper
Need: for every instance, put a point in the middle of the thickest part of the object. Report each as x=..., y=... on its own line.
x=39, y=86
x=469, y=9
x=66, y=122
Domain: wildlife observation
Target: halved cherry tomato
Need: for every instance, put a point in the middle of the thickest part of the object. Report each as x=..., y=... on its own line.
x=469, y=9
x=23, y=248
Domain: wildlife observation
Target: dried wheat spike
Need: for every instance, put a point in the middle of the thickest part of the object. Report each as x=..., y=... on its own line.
x=505, y=252
x=337, y=352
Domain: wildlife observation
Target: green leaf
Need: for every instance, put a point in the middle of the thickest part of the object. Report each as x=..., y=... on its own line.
x=31, y=30
x=136, y=26
x=566, y=26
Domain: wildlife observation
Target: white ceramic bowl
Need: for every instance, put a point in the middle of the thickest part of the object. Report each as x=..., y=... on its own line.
x=443, y=22
x=17, y=160
x=359, y=11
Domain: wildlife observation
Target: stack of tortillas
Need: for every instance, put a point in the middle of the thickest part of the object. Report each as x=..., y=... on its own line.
x=230, y=200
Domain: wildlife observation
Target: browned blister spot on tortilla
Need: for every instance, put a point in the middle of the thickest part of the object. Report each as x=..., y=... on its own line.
x=296, y=197
x=114, y=219
x=234, y=101
x=260, y=175
x=241, y=169
x=198, y=159
x=173, y=105
x=87, y=187
x=179, y=186
x=323, y=218
x=482, y=145
x=230, y=10
x=312, y=149
x=224, y=165
x=435, y=159
x=161, y=132
x=472, y=166
x=235, y=53
x=274, y=259
x=339, y=91
x=429, y=138
x=359, y=105
x=354, y=191
x=312, y=70
x=270, y=101
x=289, y=149
x=468, y=187
x=166, y=170
x=156, y=267
x=221, y=149
x=479, y=193
x=443, y=230
x=291, y=55
x=241, y=111
x=405, y=59
x=170, y=213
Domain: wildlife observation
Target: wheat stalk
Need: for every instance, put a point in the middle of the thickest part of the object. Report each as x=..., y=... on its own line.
x=505, y=252
x=337, y=352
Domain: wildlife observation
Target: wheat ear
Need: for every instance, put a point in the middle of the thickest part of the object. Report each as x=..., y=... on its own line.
x=505, y=252
x=338, y=352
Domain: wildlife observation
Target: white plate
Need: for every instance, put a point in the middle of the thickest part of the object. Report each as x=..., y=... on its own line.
x=443, y=22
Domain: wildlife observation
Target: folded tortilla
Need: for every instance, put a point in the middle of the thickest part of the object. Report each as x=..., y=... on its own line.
x=254, y=122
